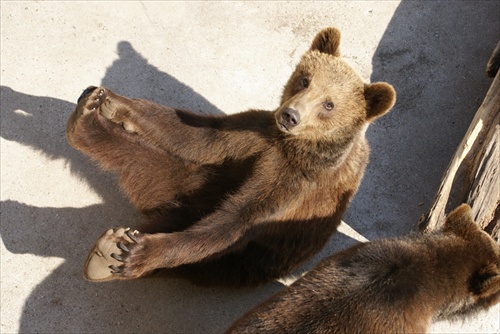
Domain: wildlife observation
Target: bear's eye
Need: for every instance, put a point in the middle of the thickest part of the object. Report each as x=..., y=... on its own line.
x=328, y=105
x=304, y=82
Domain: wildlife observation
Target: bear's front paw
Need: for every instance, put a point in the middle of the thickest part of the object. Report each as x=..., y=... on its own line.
x=134, y=257
x=106, y=260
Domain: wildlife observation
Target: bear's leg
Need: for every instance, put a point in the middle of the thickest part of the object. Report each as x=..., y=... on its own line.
x=149, y=176
x=132, y=118
x=194, y=137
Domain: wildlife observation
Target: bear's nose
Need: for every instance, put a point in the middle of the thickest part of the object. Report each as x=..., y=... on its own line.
x=290, y=117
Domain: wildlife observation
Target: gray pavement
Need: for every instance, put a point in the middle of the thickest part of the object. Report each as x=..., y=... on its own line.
x=215, y=57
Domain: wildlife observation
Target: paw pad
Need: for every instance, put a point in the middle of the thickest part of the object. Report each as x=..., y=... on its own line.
x=105, y=257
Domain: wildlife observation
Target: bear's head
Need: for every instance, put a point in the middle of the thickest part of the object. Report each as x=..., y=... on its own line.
x=483, y=275
x=325, y=97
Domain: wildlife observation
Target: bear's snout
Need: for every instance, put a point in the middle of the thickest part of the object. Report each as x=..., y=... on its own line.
x=289, y=118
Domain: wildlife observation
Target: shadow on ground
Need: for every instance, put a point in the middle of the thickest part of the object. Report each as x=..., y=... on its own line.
x=410, y=150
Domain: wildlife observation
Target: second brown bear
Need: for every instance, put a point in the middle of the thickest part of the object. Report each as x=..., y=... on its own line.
x=397, y=285
x=239, y=199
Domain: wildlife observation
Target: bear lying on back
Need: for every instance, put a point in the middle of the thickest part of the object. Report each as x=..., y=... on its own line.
x=239, y=199
x=396, y=285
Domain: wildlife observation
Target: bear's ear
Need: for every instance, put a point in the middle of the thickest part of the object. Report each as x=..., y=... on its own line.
x=380, y=97
x=486, y=282
x=327, y=41
x=460, y=222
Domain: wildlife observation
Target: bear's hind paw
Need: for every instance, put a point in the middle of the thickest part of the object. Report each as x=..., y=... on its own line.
x=105, y=103
x=114, y=108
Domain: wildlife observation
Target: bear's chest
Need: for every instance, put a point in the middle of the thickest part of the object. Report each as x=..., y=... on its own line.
x=308, y=199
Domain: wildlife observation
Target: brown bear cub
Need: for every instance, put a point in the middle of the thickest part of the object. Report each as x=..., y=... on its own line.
x=395, y=285
x=237, y=199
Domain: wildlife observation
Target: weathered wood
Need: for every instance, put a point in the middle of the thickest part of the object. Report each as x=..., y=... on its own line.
x=473, y=174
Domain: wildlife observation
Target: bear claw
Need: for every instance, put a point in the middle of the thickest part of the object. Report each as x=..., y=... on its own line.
x=105, y=261
x=117, y=257
x=114, y=269
x=122, y=247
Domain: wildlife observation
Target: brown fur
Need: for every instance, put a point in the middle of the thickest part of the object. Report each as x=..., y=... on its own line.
x=396, y=285
x=238, y=199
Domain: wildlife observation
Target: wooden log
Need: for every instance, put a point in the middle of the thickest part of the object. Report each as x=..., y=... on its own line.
x=473, y=175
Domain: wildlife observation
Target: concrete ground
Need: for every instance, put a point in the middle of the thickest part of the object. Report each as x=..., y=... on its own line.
x=217, y=57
